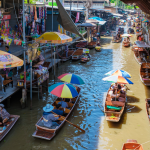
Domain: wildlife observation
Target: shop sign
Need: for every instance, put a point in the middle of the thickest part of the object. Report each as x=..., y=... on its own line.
x=6, y=17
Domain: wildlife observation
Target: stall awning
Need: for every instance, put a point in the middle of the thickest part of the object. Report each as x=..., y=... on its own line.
x=141, y=44
x=65, y=20
x=118, y=15
x=100, y=20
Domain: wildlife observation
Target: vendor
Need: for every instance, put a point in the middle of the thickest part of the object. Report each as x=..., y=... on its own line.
x=4, y=115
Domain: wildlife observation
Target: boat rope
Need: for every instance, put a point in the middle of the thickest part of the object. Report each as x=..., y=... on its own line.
x=141, y=144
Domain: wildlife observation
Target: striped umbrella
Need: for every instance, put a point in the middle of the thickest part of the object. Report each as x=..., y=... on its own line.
x=63, y=90
x=117, y=79
x=71, y=78
x=119, y=73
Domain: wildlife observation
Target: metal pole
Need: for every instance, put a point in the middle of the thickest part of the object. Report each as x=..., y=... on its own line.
x=70, y=8
x=31, y=83
x=52, y=15
x=24, y=44
x=116, y=6
x=54, y=63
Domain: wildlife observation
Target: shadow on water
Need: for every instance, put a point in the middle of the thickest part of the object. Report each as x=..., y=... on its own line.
x=105, y=40
x=132, y=99
x=132, y=108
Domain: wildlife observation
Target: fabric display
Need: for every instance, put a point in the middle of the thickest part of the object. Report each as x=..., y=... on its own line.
x=35, y=20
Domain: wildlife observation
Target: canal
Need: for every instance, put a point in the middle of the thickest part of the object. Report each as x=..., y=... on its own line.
x=88, y=113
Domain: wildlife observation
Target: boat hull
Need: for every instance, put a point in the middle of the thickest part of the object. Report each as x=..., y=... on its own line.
x=49, y=134
x=5, y=132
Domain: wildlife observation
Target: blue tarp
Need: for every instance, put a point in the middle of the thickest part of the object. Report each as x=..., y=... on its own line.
x=97, y=18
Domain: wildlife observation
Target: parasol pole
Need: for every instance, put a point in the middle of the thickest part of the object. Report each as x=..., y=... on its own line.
x=54, y=64
x=24, y=44
x=52, y=15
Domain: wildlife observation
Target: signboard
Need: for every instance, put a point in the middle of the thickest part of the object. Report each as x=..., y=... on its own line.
x=6, y=17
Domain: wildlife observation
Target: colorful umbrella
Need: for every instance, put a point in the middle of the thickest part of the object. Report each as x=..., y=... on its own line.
x=126, y=35
x=119, y=73
x=63, y=90
x=71, y=78
x=117, y=79
x=8, y=60
x=54, y=37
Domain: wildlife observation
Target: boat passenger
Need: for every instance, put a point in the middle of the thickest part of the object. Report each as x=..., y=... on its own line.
x=128, y=39
x=114, y=95
x=49, y=120
x=58, y=110
x=4, y=115
x=63, y=103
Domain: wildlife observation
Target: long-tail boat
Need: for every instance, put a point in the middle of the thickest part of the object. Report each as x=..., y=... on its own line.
x=48, y=133
x=114, y=109
x=148, y=108
x=145, y=73
x=91, y=44
x=132, y=145
x=9, y=125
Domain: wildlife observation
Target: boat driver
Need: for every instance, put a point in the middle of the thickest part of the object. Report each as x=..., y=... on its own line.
x=49, y=120
x=4, y=115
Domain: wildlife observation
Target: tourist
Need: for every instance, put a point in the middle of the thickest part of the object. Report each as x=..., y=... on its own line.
x=58, y=110
x=49, y=120
x=63, y=103
x=114, y=95
x=4, y=115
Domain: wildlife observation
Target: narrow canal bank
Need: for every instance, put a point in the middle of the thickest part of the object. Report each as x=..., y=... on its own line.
x=99, y=134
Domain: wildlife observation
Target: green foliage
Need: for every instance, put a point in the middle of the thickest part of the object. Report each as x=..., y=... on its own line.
x=119, y=3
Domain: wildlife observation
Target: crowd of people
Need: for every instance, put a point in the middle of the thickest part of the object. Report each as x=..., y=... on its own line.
x=117, y=92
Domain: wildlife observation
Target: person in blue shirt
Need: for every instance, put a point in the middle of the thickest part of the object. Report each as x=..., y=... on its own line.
x=49, y=120
x=58, y=110
x=63, y=103
x=7, y=49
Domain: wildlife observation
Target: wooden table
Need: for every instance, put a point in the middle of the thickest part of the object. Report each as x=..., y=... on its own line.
x=6, y=82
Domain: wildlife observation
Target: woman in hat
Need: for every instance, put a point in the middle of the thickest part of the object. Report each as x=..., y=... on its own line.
x=49, y=119
x=4, y=115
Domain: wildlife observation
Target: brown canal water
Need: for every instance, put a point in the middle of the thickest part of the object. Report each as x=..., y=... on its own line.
x=99, y=134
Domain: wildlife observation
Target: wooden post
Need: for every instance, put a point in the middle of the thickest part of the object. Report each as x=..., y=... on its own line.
x=40, y=92
x=47, y=83
x=24, y=98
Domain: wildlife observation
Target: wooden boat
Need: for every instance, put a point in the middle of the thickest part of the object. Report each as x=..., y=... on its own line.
x=98, y=48
x=145, y=73
x=132, y=145
x=10, y=123
x=91, y=44
x=77, y=54
x=70, y=52
x=85, y=59
x=127, y=44
x=113, y=109
x=81, y=44
x=47, y=133
x=117, y=41
x=148, y=108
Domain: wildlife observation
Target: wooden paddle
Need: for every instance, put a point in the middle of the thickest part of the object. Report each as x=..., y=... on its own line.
x=69, y=122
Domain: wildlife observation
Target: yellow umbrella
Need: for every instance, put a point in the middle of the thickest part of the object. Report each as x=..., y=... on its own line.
x=8, y=60
x=54, y=37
